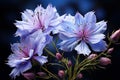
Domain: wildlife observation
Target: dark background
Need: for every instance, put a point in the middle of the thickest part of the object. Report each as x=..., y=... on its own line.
x=108, y=10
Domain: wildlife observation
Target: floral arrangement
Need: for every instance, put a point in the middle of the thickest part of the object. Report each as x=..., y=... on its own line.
x=59, y=47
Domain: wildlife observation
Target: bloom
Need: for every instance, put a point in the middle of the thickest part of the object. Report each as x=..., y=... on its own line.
x=78, y=32
x=30, y=48
x=44, y=19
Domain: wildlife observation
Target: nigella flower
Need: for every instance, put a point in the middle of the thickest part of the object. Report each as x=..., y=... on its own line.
x=44, y=19
x=23, y=52
x=80, y=33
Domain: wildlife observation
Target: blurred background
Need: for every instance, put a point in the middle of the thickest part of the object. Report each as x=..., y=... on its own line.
x=10, y=10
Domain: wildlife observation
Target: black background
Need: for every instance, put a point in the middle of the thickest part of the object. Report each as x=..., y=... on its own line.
x=109, y=10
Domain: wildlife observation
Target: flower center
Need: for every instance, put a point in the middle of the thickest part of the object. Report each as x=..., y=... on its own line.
x=83, y=35
x=41, y=26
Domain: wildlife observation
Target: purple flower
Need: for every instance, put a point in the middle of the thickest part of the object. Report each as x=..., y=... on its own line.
x=78, y=32
x=44, y=19
x=30, y=48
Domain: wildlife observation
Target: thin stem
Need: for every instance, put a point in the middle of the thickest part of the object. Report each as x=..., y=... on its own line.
x=75, y=68
x=50, y=53
x=54, y=45
x=50, y=73
x=86, y=61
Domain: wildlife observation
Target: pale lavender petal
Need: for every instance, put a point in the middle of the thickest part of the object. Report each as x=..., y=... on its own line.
x=15, y=47
x=41, y=45
x=20, y=69
x=41, y=59
x=100, y=46
x=25, y=66
x=31, y=53
x=22, y=25
x=96, y=38
x=69, y=44
x=63, y=37
x=27, y=15
x=101, y=27
x=21, y=33
x=90, y=17
x=82, y=48
x=49, y=29
x=15, y=72
x=68, y=27
x=57, y=21
x=79, y=19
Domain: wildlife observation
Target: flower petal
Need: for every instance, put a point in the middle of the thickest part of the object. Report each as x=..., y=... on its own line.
x=100, y=46
x=41, y=59
x=20, y=69
x=90, y=17
x=68, y=27
x=31, y=52
x=68, y=44
x=96, y=38
x=79, y=19
x=82, y=48
x=101, y=27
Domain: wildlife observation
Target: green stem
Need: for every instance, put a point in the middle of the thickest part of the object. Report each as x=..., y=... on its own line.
x=82, y=65
x=54, y=76
x=50, y=53
x=75, y=68
x=54, y=45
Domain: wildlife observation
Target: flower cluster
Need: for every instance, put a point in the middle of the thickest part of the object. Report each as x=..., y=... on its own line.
x=32, y=58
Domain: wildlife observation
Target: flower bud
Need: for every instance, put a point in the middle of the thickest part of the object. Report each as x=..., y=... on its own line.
x=69, y=63
x=58, y=56
x=105, y=61
x=79, y=76
x=29, y=76
x=41, y=74
x=115, y=36
x=92, y=56
x=110, y=50
x=61, y=73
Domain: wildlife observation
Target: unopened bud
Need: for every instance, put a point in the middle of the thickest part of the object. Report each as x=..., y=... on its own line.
x=61, y=73
x=41, y=74
x=105, y=61
x=58, y=56
x=92, y=56
x=115, y=36
x=69, y=63
x=110, y=50
x=29, y=76
x=79, y=76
